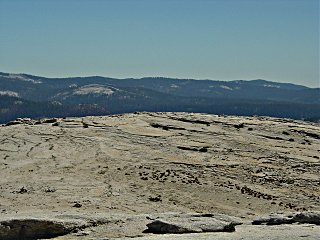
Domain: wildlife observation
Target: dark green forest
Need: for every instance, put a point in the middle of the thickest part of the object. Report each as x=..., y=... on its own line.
x=27, y=96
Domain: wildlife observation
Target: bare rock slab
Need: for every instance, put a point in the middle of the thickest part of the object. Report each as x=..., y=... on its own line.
x=187, y=223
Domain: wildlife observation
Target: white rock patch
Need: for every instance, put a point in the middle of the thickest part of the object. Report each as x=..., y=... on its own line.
x=9, y=93
x=93, y=89
x=20, y=77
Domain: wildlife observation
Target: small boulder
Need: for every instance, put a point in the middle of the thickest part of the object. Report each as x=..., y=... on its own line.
x=13, y=123
x=187, y=223
x=50, y=120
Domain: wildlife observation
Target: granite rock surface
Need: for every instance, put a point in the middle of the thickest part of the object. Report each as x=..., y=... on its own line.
x=155, y=163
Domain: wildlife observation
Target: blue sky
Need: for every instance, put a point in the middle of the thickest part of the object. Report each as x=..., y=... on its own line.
x=203, y=39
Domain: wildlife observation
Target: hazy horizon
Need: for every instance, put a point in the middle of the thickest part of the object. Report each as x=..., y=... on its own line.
x=215, y=40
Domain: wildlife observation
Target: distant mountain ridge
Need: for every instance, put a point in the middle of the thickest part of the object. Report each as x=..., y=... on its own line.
x=77, y=96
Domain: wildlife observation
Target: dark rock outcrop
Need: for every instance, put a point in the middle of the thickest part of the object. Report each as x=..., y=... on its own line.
x=33, y=229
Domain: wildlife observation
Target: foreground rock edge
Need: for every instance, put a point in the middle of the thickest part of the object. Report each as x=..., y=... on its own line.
x=289, y=218
x=38, y=228
x=165, y=223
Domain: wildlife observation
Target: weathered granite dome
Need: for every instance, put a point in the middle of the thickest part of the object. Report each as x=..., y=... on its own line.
x=110, y=176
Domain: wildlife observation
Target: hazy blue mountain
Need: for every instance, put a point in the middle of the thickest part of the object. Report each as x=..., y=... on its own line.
x=33, y=96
